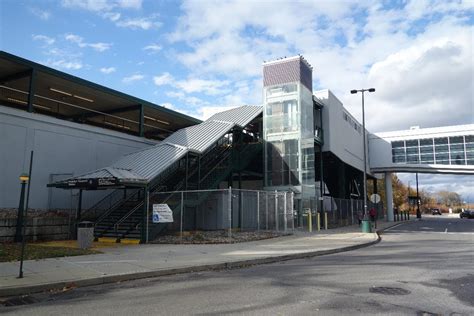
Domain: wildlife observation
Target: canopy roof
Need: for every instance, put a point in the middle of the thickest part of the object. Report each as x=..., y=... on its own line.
x=141, y=167
x=67, y=97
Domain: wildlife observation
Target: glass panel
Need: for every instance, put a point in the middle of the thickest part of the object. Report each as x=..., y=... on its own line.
x=441, y=151
x=457, y=150
x=426, y=151
x=398, y=144
x=412, y=151
x=398, y=152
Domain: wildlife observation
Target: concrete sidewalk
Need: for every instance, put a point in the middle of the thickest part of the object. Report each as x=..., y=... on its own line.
x=141, y=261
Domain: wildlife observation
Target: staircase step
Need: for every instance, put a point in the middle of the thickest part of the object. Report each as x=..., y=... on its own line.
x=107, y=239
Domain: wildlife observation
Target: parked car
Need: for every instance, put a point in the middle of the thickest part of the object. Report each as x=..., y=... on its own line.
x=436, y=211
x=467, y=214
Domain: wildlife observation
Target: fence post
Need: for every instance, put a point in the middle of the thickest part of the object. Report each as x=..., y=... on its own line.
x=292, y=210
x=352, y=212
x=276, y=210
x=258, y=210
x=285, y=224
x=229, y=210
x=181, y=219
x=266, y=210
x=147, y=201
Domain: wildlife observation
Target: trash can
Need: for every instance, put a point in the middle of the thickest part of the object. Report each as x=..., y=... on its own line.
x=85, y=234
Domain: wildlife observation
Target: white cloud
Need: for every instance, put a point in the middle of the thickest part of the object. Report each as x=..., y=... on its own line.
x=42, y=14
x=144, y=23
x=107, y=70
x=193, y=85
x=206, y=112
x=133, y=78
x=76, y=39
x=64, y=64
x=164, y=79
x=351, y=45
x=43, y=38
x=112, y=16
x=153, y=48
x=102, y=5
x=130, y=4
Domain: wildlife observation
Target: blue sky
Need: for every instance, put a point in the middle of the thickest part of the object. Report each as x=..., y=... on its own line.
x=199, y=57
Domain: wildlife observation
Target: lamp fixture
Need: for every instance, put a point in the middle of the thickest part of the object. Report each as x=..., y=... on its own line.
x=24, y=177
x=83, y=98
x=71, y=95
x=34, y=104
x=117, y=125
x=17, y=101
x=156, y=120
x=61, y=91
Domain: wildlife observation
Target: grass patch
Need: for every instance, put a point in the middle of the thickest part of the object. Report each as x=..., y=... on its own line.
x=11, y=252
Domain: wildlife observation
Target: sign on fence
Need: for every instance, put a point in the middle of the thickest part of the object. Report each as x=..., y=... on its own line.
x=162, y=213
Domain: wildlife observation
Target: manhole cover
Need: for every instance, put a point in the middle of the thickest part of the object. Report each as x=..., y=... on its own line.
x=389, y=290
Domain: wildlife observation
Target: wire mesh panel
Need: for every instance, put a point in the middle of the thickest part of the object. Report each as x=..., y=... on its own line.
x=220, y=210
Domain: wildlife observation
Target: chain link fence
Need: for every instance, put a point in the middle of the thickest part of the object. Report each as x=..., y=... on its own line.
x=340, y=212
x=227, y=210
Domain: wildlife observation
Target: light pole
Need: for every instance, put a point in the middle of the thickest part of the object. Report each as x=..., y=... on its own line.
x=365, y=221
x=418, y=212
x=21, y=208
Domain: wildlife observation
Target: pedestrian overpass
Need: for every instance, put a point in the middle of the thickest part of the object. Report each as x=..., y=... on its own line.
x=439, y=150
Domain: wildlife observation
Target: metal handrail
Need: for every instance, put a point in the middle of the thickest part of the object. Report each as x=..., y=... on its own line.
x=120, y=221
x=111, y=209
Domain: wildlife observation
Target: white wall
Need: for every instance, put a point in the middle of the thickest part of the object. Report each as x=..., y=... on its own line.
x=60, y=147
x=340, y=138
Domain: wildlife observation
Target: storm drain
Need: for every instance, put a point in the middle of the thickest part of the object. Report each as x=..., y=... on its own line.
x=389, y=290
x=20, y=300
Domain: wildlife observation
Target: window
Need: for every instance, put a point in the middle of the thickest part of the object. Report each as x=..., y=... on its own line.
x=441, y=151
x=426, y=151
x=412, y=151
x=469, y=143
x=456, y=148
x=398, y=152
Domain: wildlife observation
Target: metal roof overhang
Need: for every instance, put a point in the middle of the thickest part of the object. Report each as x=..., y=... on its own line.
x=71, y=98
x=141, y=167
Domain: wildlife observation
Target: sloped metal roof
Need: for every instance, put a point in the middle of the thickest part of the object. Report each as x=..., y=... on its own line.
x=144, y=165
x=150, y=162
x=199, y=137
x=240, y=116
x=119, y=173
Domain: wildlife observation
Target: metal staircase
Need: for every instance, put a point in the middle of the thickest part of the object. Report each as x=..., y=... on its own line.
x=121, y=218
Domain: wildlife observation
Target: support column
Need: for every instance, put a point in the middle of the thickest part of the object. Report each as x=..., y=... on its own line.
x=141, y=121
x=389, y=196
x=79, y=205
x=31, y=90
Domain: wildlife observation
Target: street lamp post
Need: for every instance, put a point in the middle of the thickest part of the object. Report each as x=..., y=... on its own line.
x=418, y=212
x=365, y=221
x=21, y=208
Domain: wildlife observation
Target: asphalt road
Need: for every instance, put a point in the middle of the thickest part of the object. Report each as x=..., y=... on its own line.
x=420, y=268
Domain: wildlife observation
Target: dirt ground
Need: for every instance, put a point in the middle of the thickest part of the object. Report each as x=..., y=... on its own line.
x=216, y=237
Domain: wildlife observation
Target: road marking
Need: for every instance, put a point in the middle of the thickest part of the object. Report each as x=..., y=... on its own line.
x=392, y=227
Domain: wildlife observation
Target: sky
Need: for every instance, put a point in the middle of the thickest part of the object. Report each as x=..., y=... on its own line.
x=199, y=57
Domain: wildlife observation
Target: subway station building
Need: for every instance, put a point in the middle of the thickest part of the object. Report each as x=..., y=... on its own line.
x=94, y=146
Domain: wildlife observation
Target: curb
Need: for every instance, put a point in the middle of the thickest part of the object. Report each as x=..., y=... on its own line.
x=30, y=289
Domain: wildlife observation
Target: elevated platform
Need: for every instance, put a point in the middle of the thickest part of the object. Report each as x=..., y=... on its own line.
x=447, y=150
